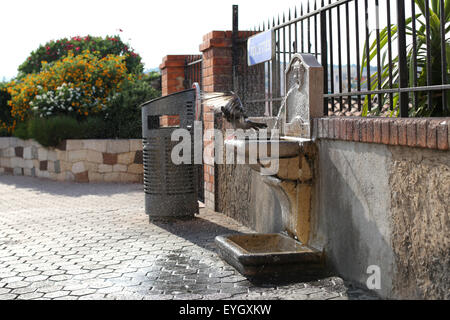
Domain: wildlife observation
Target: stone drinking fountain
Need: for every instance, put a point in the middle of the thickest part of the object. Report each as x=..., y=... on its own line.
x=287, y=253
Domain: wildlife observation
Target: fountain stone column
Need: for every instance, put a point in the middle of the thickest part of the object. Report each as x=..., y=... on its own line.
x=306, y=102
x=294, y=180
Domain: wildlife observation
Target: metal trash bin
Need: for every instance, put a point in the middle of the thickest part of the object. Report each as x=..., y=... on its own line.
x=170, y=189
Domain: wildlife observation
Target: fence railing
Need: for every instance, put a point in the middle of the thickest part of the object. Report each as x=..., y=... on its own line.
x=192, y=71
x=380, y=57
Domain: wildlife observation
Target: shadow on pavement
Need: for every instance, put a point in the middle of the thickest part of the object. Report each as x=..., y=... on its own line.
x=198, y=231
x=69, y=189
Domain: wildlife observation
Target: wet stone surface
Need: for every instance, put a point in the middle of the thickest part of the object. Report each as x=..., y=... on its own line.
x=94, y=241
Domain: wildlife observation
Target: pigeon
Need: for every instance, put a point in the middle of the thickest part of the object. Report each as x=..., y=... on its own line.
x=231, y=106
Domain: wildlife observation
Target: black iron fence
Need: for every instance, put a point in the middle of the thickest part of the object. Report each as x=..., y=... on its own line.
x=380, y=57
x=192, y=71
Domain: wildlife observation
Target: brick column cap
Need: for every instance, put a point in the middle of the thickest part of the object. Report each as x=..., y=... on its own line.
x=173, y=60
x=221, y=39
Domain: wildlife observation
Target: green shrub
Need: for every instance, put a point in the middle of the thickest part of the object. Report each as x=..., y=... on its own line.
x=78, y=86
x=55, y=50
x=94, y=128
x=5, y=111
x=49, y=132
x=21, y=131
x=123, y=117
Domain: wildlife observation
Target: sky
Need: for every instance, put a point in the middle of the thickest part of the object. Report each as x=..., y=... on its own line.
x=152, y=28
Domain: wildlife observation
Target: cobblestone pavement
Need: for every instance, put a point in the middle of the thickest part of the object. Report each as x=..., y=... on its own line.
x=93, y=241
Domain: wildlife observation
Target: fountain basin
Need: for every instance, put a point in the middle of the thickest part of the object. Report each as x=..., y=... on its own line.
x=269, y=255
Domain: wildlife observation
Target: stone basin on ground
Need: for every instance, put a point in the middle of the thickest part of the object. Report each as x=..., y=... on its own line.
x=269, y=255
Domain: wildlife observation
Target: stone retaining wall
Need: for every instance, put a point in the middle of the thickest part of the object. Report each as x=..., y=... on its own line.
x=74, y=160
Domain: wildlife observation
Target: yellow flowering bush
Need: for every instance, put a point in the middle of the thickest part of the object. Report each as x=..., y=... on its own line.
x=74, y=85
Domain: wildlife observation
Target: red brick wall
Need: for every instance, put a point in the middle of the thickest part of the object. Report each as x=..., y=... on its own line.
x=431, y=133
x=172, y=74
x=217, y=76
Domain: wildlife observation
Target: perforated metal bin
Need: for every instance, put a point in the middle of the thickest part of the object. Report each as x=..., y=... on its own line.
x=170, y=189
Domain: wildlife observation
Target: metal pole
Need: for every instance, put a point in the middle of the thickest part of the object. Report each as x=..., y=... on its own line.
x=445, y=107
x=234, y=48
x=324, y=56
x=403, y=67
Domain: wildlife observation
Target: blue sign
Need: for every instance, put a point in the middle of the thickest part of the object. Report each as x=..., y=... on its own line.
x=260, y=47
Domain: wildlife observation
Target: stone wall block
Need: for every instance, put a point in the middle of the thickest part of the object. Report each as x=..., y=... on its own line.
x=78, y=167
x=126, y=158
x=117, y=146
x=130, y=178
x=74, y=145
x=27, y=154
x=120, y=168
x=112, y=177
x=18, y=171
x=28, y=163
x=76, y=155
x=94, y=156
x=110, y=158
x=42, y=154
x=95, y=145
x=82, y=177
x=17, y=162
x=9, y=152
x=52, y=156
x=4, y=142
x=95, y=176
x=136, y=168
x=104, y=168
x=135, y=145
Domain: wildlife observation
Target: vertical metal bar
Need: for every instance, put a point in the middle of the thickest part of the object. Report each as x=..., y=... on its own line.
x=234, y=48
x=301, y=25
x=330, y=23
x=445, y=107
x=428, y=40
x=186, y=73
x=284, y=52
x=295, y=32
x=278, y=63
x=341, y=101
x=389, y=30
x=358, y=64
x=402, y=62
x=274, y=73
x=316, y=50
x=269, y=80
x=324, y=55
x=349, y=71
x=414, y=51
x=369, y=86
x=377, y=31
x=290, y=36
x=308, y=29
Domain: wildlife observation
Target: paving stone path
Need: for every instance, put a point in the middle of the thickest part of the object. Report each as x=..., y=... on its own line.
x=93, y=241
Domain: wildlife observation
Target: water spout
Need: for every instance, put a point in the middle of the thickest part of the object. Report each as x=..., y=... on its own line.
x=280, y=117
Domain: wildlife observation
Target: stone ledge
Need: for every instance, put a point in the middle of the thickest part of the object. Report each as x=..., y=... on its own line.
x=430, y=133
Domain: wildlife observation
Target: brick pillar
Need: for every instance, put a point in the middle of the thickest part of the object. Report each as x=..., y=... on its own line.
x=172, y=74
x=217, y=76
